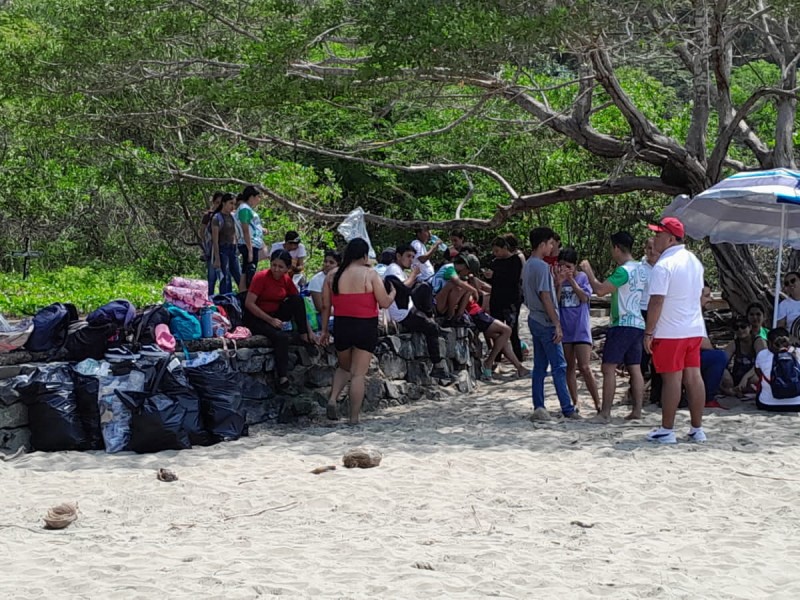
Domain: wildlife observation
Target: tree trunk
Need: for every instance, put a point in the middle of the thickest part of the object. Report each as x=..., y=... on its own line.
x=741, y=280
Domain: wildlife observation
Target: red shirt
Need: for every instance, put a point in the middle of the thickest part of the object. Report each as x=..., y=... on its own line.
x=270, y=292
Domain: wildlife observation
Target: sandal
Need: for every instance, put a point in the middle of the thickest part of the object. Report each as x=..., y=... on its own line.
x=486, y=374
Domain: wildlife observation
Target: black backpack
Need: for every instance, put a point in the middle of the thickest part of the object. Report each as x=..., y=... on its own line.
x=50, y=327
x=144, y=324
x=785, y=376
x=232, y=306
x=90, y=341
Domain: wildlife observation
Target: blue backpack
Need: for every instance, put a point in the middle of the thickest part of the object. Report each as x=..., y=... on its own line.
x=50, y=327
x=183, y=325
x=785, y=376
x=118, y=313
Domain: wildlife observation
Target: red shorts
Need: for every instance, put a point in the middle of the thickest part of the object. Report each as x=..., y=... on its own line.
x=673, y=355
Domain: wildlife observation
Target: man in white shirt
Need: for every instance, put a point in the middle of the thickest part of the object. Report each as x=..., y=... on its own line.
x=411, y=319
x=291, y=243
x=423, y=254
x=675, y=329
x=789, y=308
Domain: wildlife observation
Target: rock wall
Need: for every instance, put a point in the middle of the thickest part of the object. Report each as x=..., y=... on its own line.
x=399, y=374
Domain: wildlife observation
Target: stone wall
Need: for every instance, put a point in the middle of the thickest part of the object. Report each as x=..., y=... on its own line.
x=399, y=374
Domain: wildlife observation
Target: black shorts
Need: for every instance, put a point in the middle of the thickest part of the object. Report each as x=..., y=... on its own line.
x=482, y=321
x=353, y=332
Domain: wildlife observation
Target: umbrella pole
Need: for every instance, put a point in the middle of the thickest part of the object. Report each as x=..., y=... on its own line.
x=780, y=266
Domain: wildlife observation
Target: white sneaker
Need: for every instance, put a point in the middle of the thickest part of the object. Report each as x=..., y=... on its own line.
x=698, y=436
x=540, y=414
x=662, y=436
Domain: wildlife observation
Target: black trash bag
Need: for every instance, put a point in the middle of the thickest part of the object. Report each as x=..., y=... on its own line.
x=175, y=385
x=90, y=341
x=53, y=416
x=87, y=388
x=218, y=383
x=156, y=422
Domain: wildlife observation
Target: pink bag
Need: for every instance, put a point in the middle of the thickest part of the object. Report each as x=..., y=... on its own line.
x=192, y=284
x=240, y=333
x=189, y=299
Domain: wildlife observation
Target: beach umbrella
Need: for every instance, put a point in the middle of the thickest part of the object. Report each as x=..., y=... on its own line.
x=755, y=207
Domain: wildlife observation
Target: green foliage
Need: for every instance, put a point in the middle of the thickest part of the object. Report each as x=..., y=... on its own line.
x=85, y=287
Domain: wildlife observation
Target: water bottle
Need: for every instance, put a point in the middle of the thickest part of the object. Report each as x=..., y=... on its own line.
x=206, y=327
x=287, y=326
x=442, y=246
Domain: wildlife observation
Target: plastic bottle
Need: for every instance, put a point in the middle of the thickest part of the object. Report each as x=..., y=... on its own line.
x=206, y=327
x=287, y=326
x=442, y=246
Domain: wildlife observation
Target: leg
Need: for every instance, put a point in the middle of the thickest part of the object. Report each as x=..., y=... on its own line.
x=609, y=389
x=572, y=378
x=294, y=309
x=499, y=333
x=695, y=391
x=712, y=369
x=417, y=323
x=340, y=379
x=558, y=366
x=279, y=340
x=583, y=354
x=670, y=397
x=233, y=268
x=212, y=277
x=358, y=370
x=516, y=343
x=637, y=391
x=539, y=363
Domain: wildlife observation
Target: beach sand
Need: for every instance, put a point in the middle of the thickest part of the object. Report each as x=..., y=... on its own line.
x=472, y=500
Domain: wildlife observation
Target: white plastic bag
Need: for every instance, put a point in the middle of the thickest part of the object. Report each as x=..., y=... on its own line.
x=354, y=226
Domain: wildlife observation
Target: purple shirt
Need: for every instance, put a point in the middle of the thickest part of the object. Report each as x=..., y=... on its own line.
x=574, y=314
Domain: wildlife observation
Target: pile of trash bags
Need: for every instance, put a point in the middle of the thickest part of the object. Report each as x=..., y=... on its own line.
x=146, y=406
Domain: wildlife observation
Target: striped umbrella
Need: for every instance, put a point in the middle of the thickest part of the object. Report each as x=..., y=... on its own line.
x=755, y=207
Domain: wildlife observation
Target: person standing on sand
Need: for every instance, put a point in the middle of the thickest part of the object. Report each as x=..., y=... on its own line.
x=543, y=321
x=624, y=337
x=675, y=329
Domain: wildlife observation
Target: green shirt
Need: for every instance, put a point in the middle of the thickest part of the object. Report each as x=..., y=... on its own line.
x=629, y=280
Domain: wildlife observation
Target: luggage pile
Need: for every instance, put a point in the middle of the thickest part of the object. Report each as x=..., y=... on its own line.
x=147, y=406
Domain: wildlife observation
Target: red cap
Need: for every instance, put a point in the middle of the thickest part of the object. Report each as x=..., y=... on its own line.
x=670, y=225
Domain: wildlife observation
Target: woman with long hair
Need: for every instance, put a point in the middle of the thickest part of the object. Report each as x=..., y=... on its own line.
x=354, y=291
x=223, y=239
x=272, y=303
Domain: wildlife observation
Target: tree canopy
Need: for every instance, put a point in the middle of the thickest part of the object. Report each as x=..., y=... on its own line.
x=119, y=118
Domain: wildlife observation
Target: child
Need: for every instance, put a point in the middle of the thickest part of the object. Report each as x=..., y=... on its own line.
x=783, y=380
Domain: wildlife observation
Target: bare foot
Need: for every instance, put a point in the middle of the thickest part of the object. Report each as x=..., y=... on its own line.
x=633, y=416
x=600, y=419
x=523, y=372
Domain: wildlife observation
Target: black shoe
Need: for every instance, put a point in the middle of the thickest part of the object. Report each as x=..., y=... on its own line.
x=121, y=354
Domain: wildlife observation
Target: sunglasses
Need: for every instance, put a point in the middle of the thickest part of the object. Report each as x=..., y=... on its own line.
x=790, y=281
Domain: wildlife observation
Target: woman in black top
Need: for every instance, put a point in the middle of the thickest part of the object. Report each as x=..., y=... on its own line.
x=505, y=301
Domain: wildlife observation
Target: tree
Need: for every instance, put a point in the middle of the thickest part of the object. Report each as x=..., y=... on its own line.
x=347, y=88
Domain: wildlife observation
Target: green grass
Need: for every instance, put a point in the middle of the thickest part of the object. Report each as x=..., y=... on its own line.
x=85, y=287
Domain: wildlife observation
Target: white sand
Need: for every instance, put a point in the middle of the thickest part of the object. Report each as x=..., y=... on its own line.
x=494, y=505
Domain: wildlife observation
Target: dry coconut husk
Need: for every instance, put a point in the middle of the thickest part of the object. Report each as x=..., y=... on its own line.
x=362, y=457
x=61, y=516
x=166, y=475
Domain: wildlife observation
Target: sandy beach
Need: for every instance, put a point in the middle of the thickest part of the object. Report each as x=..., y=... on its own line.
x=472, y=500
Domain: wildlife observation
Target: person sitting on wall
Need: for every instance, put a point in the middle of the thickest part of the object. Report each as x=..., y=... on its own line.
x=292, y=244
x=272, y=305
x=332, y=260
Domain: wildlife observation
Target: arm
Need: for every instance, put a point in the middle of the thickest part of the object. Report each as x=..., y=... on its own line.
x=384, y=299
x=299, y=264
x=601, y=288
x=252, y=307
x=427, y=256
x=654, y=308
x=215, y=243
x=325, y=315
x=583, y=297
x=547, y=303
x=412, y=278
x=317, y=298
